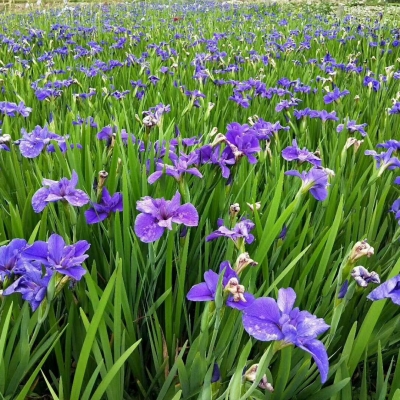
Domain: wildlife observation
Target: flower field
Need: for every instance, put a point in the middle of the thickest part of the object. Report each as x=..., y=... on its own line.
x=199, y=200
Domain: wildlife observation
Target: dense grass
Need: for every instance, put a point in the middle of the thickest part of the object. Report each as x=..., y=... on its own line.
x=126, y=330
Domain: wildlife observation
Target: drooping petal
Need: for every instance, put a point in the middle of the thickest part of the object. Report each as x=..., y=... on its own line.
x=310, y=326
x=154, y=177
x=318, y=351
x=53, y=197
x=259, y=329
x=93, y=217
x=77, y=198
x=195, y=172
x=200, y=292
x=76, y=272
x=389, y=289
x=38, y=251
x=31, y=148
x=286, y=299
x=147, y=229
x=187, y=215
x=266, y=309
x=319, y=192
x=39, y=200
x=293, y=172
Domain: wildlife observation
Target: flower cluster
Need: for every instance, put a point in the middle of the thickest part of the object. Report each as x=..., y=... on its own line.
x=263, y=318
x=35, y=264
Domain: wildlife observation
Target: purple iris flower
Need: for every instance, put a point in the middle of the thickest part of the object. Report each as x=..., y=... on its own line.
x=180, y=167
x=120, y=95
x=10, y=109
x=7, y=108
x=108, y=133
x=224, y=160
x=267, y=319
x=33, y=143
x=335, y=95
x=396, y=208
x=324, y=115
x=64, y=190
x=44, y=94
x=315, y=181
x=388, y=290
x=384, y=160
x=58, y=257
x=371, y=83
x=206, y=290
x=286, y=104
x=4, y=141
x=216, y=375
x=299, y=114
x=11, y=261
x=394, y=144
x=352, y=127
x=32, y=285
x=363, y=277
x=395, y=109
x=265, y=130
x=294, y=153
x=240, y=100
x=241, y=230
x=159, y=214
x=108, y=204
x=243, y=141
x=343, y=289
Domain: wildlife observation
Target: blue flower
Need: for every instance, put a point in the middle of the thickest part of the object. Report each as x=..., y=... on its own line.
x=267, y=319
x=206, y=290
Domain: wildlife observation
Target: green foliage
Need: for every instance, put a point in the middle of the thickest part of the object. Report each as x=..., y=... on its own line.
x=127, y=331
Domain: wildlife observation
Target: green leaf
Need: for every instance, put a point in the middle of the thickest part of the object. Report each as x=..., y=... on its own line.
x=90, y=338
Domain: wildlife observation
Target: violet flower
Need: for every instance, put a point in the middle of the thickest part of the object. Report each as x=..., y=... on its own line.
x=33, y=143
x=32, y=286
x=352, y=127
x=315, y=181
x=11, y=109
x=180, y=166
x=159, y=214
x=391, y=143
x=241, y=230
x=396, y=208
x=58, y=257
x=64, y=190
x=224, y=160
x=11, y=261
x=384, y=160
x=324, y=115
x=363, y=277
x=395, y=109
x=108, y=204
x=335, y=95
x=294, y=153
x=206, y=291
x=388, y=290
x=267, y=319
x=242, y=141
